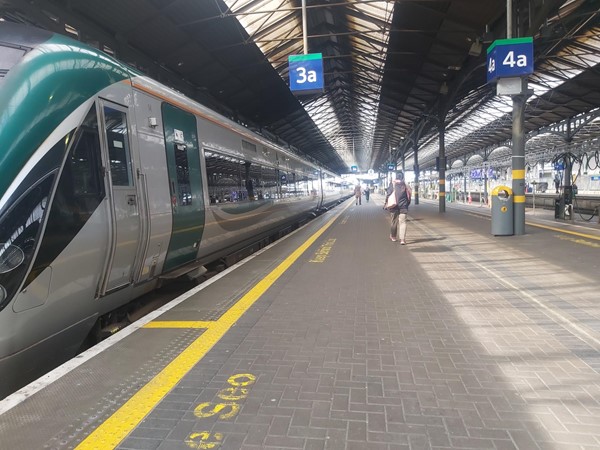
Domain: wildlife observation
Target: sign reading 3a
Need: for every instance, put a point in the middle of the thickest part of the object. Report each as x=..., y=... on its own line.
x=510, y=58
x=306, y=73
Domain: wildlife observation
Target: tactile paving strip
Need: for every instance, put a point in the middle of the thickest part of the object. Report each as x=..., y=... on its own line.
x=104, y=384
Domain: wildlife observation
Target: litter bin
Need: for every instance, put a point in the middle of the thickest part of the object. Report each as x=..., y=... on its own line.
x=502, y=211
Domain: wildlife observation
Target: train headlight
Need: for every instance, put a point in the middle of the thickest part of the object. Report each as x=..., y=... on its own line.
x=11, y=257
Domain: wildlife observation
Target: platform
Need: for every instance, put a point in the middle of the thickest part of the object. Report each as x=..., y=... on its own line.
x=337, y=338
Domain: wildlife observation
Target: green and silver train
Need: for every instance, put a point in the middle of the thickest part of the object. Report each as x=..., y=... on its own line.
x=110, y=181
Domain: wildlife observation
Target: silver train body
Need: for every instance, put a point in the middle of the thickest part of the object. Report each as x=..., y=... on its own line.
x=111, y=181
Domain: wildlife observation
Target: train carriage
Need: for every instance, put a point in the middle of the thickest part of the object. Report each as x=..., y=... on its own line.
x=111, y=181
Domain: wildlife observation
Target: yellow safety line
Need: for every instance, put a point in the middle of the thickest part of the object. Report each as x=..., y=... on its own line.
x=179, y=324
x=588, y=236
x=114, y=429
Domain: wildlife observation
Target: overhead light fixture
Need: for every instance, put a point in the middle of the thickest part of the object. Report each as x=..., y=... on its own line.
x=476, y=48
x=454, y=68
x=444, y=88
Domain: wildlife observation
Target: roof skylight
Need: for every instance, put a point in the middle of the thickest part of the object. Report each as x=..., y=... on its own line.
x=276, y=28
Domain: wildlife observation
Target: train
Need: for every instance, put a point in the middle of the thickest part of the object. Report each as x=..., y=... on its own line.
x=112, y=182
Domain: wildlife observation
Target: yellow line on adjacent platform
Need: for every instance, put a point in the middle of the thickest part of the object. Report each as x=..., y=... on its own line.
x=560, y=230
x=546, y=227
x=113, y=430
x=578, y=241
x=179, y=324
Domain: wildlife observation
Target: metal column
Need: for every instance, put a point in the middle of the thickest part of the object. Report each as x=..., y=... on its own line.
x=518, y=162
x=442, y=166
x=417, y=174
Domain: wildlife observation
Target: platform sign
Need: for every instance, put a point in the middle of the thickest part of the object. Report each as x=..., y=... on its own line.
x=595, y=177
x=306, y=73
x=354, y=168
x=508, y=58
x=478, y=174
x=559, y=165
x=391, y=167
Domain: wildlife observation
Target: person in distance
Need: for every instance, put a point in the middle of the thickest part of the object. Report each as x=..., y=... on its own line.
x=396, y=202
x=358, y=194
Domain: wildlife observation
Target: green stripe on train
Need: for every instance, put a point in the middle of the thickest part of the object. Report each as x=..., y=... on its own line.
x=40, y=92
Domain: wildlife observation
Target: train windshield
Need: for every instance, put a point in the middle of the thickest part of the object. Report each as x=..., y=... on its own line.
x=9, y=56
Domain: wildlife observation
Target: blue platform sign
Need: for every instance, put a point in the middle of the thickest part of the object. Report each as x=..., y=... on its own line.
x=391, y=166
x=595, y=177
x=509, y=58
x=306, y=73
x=354, y=168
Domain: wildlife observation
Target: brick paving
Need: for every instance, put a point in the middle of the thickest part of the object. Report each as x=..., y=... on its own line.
x=457, y=340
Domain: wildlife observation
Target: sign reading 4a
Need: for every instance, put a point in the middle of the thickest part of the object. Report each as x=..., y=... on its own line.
x=510, y=58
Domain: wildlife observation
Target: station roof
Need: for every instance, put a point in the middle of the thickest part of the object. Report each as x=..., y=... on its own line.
x=393, y=69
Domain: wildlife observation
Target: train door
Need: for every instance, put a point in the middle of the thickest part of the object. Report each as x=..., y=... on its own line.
x=185, y=184
x=124, y=225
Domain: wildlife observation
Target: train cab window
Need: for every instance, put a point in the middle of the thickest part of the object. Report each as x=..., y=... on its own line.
x=79, y=192
x=9, y=56
x=118, y=146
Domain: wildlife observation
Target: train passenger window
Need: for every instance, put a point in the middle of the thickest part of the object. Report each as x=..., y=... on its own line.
x=224, y=177
x=183, y=175
x=283, y=181
x=118, y=147
x=253, y=181
x=84, y=163
x=270, y=182
x=231, y=179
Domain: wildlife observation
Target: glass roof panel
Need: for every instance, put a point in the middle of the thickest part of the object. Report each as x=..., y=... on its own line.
x=582, y=55
x=276, y=27
x=359, y=30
